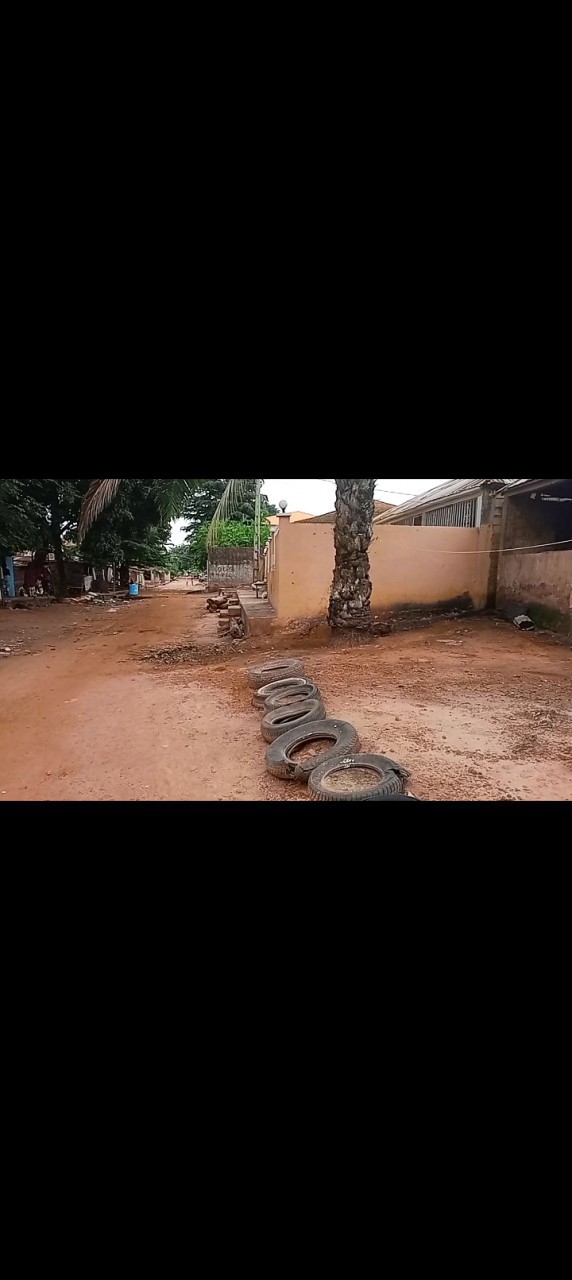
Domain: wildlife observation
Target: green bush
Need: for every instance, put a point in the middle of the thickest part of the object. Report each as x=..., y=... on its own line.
x=231, y=533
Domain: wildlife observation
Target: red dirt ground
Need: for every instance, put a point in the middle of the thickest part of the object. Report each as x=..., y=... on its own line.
x=487, y=715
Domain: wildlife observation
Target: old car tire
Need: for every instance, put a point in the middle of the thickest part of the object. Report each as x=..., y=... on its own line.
x=275, y=723
x=278, y=670
x=279, y=686
x=390, y=777
x=288, y=697
x=402, y=796
x=281, y=762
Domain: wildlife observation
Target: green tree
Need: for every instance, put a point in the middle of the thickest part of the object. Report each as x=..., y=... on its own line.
x=20, y=517
x=200, y=505
x=42, y=515
x=180, y=558
x=131, y=530
x=50, y=509
x=231, y=533
x=170, y=496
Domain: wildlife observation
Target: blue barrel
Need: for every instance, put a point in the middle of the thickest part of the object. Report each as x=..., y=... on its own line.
x=133, y=588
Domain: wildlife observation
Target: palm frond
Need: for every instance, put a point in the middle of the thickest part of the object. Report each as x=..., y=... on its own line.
x=230, y=502
x=171, y=495
x=98, y=496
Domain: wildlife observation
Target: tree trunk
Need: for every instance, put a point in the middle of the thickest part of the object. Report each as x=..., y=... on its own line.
x=61, y=586
x=351, y=587
x=124, y=576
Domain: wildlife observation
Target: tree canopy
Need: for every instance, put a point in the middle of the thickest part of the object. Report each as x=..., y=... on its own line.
x=21, y=516
x=42, y=515
x=200, y=505
x=180, y=559
x=130, y=530
x=199, y=508
x=231, y=533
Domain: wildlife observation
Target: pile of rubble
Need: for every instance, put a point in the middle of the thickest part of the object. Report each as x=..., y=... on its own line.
x=215, y=603
x=114, y=598
x=229, y=615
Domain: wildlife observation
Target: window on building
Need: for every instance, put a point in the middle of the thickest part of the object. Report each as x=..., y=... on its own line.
x=459, y=515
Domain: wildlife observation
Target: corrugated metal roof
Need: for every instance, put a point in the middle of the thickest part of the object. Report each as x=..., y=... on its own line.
x=510, y=484
x=450, y=489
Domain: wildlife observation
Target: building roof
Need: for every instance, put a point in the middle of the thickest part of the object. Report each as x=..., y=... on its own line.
x=294, y=516
x=450, y=489
x=329, y=517
x=515, y=484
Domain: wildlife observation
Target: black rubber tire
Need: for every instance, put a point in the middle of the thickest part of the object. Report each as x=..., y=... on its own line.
x=390, y=777
x=279, y=686
x=277, y=701
x=275, y=723
x=402, y=797
x=279, y=761
x=277, y=670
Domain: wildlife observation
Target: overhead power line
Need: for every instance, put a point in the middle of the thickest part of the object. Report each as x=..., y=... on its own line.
x=379, y=485
x=492, y=551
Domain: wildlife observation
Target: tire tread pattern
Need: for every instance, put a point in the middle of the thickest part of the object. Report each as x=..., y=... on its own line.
x=275, y=723
x=280, y=763
x=277, y=670
x=289, y=697
x=279, y=686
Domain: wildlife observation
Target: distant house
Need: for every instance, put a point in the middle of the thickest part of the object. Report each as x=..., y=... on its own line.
x=329, y=517
x=149, y=575
x=461, y=504
x=79, y=574
x=294, y=516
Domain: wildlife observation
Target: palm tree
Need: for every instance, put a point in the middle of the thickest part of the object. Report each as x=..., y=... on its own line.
x=350, y=595
x=170, y=497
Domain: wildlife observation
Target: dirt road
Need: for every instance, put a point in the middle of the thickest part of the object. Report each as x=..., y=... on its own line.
x=82, y=719
x=473, y=708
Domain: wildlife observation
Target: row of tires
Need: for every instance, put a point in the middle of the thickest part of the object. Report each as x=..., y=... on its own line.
x=294, y=716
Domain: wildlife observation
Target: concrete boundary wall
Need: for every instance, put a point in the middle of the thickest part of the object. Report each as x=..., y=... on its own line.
x=409, y=566
x=230, y=567
x=537, y=578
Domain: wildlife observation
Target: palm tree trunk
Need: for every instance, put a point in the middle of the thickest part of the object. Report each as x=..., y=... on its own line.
x=351, y=587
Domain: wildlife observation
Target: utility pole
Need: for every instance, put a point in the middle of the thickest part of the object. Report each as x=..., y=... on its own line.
x=257, y=531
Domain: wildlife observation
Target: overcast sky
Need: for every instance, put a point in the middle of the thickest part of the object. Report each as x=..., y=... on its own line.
x=317, y=496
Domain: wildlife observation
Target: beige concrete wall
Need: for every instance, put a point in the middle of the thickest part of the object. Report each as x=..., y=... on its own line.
x=409, y=565
x=299, y=586
x=536, y=577
x=426, y=565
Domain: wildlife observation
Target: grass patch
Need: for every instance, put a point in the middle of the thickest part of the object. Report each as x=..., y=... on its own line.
x=548, y=619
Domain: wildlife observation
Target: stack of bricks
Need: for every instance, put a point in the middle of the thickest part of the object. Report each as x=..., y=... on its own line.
x=230, y=619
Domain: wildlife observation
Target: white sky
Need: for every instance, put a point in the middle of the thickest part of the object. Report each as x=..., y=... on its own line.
x=317, y=496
